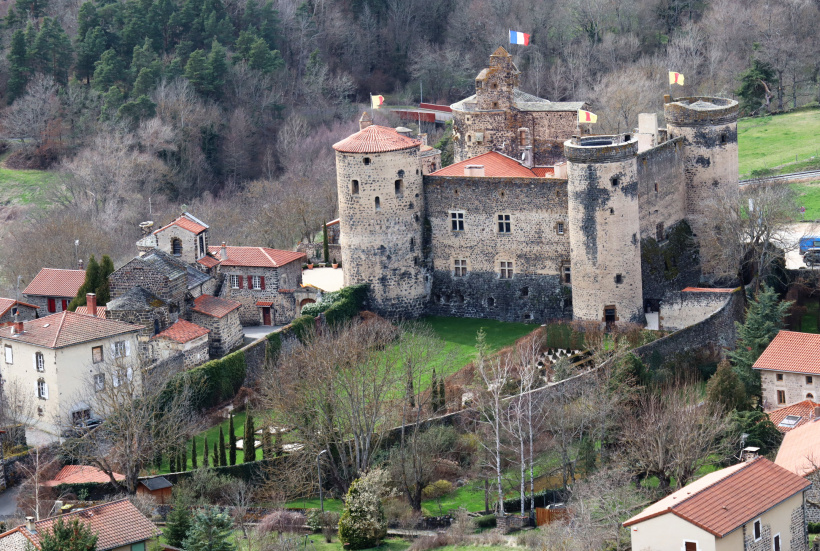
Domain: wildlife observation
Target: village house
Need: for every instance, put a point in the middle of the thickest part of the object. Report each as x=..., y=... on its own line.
x=221, y=318
x=796, y=415
x=186, y=238
x=751, y=506
x=183, y=337
x=790, y=369
x=52, y=289
x=9, y=308
x=81, y=474
x=61, y=358
x=799, y=453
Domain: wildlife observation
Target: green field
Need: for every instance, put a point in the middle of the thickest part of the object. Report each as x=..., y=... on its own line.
x=785, y=143
x=808, y=195
x=25, y=187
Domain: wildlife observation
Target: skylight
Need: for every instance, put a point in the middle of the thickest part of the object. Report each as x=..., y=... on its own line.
x=790, y=421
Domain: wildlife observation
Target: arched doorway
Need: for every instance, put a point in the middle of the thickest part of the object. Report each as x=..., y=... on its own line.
x=306, y=301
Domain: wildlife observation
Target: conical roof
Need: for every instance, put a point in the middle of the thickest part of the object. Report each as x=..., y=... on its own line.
x=375, y=139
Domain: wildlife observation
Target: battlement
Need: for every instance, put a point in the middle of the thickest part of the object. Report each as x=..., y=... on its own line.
x=601, y=149
x=700, y=111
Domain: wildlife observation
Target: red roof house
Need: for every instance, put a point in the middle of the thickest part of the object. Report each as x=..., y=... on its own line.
x=375, y=139
x=82, y=474
x=52, y=289
x=790, y=369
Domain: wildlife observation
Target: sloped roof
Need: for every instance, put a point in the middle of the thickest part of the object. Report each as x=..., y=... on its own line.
x=7, y=303
x=375, y=139
x=84, y=310
x=187, y=222
x=135, y=298
x=68, y=328
x=214, y=306
x=116, y=524
x=16, y=539
x=257, y=257
x=496, y=165
x=54, y=282
x=724, y=500
x=156, y=483
x=208, y=261
x=800, y=450
x=81, y=474
x=164, y=263
x=195, y=277
x=804, y=410
x=182, y=331
x=792, y=352
x=524, y=102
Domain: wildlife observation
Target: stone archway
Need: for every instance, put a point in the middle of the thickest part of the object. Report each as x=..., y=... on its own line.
x=306, y=301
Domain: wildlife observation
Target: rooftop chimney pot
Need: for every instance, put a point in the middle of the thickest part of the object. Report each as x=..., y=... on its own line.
x=18, y=325
x=80, y=264
x=91, y=304
x=365, y=121
x=30, y=524
x=223, y=252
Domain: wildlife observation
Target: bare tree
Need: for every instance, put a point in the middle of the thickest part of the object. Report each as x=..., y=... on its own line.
x=30, y=115
x=39, y=467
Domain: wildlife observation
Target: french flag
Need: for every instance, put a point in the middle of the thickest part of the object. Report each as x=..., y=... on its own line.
x=519, y=38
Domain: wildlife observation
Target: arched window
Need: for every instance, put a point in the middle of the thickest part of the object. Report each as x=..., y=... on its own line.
x=176, y=246
x=809, y=396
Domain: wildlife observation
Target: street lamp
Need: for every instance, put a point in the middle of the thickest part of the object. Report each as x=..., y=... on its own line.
x=319, y=470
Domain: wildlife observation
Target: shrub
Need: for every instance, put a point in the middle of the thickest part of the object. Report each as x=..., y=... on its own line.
x=281, y=521
x=362, y=524
x=339, y=306
x=301, y=326
x=814, y=528
x=316, y=520
x=211, y=383
x=487, y=521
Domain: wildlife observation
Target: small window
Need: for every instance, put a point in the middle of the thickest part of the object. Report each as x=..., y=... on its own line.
x=619, y=279
x=809, y=380
x=138, y=546
x=656, y=187
x=256, y=281
x=13, y=310
x=779, y=376
x=97, y=354
x=758, y=530
x=42, y=389
x=176, y=246
x=460, y=268
x=611, y=211
x=457, y=220
x=99, y=382
x=615, y=181
x=659, y=231
x=495, y=105
x=723, y=141
x=525, y=291
x=202, y=250
x=690, y=546
x=39, y=361
x=610, y=314
x=506, y=270
x=809, y=396
x=354, y=187
x=776, y=542
x=400, y=174
x=366, y=160
x=40, y=412
x=559, y=228
x=490, y=302
x=567, y=274
x=781, y=396
x=120, y=349
x=51, y=305
x=9, y=354
x=378, y=204
x=504, y=223
x=234, y=281
x=527, y=317
x=399, y=186
x=469, y=138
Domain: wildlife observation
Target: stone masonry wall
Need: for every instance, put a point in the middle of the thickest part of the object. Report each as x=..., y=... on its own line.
x=144, y=317
x=226, y=332
x=538, y=252
x=288, y=276
x=661, y=187
x=794, y=385
x=680, y=310
x=196, y=355
x=190, y=243
x=42, y=302
x=137, y=273
x=798, y=540
x=26, y=313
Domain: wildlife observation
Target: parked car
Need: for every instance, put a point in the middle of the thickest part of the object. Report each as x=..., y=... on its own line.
x=82, y=426
x=812, y=258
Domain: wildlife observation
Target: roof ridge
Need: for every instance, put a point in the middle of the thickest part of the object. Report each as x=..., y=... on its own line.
x=716, y=482
x=64, y=515
x=59, y=329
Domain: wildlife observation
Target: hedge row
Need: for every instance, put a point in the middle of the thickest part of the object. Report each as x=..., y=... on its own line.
x=542, y=499
x=213, y=382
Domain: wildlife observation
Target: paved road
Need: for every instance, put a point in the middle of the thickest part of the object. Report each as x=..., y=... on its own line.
x=8, y=502
x=793, y=177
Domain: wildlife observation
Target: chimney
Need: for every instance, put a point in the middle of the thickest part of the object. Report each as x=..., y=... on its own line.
x=474, y=170
x=365, y=121
x=526, y=157
x=423, y=138
x=146, y=227
x=404, y=131
x=80, y=264
x=17, y=328
x=749, y=453
x=223, y=252
x=91, y=304
x=59, y=506
x=30, y=524
x=817, y=412
x=667, y=98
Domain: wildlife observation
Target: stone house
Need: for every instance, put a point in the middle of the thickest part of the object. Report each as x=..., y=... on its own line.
x=186, y=238
x=262, y=280
x=221, y=318
x=9, y=308
x=752, y=506
x=182, y=337
x=52, y=289
x=790, y=369
x=799, y=453
x=63, y=357
x=142, y=307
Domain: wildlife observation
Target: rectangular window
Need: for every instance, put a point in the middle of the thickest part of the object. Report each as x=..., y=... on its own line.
x=559, y=228
x=234, y=281
x=257, y=282
x=809, y=380
x=39, y=361
x=9, y=354
x=42, y=389
x=781, y=396
x=776, y=542
x=503, y=223
x=138, y=547
x=566, y=271
x=120, y=350
x=659, y=232
x=457, y=220
x=97, y=354
x=460, y=268
x=779, y=376
x=758, y=530
x=506, y=270
x=690, y=546
x=99, y=382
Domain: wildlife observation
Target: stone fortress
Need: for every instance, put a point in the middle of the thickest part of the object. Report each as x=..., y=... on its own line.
x=535, y=220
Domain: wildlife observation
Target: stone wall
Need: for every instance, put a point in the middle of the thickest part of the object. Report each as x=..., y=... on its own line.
x=226, y=332
x=669, y=265
x=795, y=386
x=146, y=317
x=680, y=310
x=190, y=243
x=315, y=251
x=26, y=313
x=799, y=537
x=42, y=302
x=534, y=245
x=288, y=277
x=661, y=188
x=137, y=273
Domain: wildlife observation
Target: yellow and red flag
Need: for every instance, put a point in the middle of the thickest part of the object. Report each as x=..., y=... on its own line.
x=586, y=117
x=675, y=78
x=376, y=101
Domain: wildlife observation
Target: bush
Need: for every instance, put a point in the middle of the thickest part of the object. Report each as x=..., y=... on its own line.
x=212, y=383
x=281, y=521
x=316, y=520
x=814, y=528
x=301, y=326
x=363, y=524
x=339, y=306
x=487, y=521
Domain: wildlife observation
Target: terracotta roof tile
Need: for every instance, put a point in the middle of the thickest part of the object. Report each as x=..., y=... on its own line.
x=257, y=257
x=708, y=290
x=81, y=474
x=16, y=539
x=375, y=139
x=186, y=222
x=544, y=171
x=117, y=524
x=84, y=310
x=68, y=328
x=724, y=500
x=53, y=282
x=264, y=303
x=182, y=331
x=7, y=303
x=800, y=450
x=208, y=261
x=804, y=410
x=214, y=306
x=495, y=165
x=792, y=352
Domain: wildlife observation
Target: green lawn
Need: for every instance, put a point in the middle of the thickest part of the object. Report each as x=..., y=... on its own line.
x=809, y=322
x=808, y=195
x=784, y=142
x=25, y=187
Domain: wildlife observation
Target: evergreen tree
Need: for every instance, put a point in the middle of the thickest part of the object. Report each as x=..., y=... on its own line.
x=196, y=71
x=216, y=455
x=243, y=45
x=179, y=519
x=442, y=399
x=231, y=441
x=112, y=101
x=89, y=50
x=87, y=19
x=205, y=451
x=223, y=458
x=250, y=439
x=18, y=66
x=262, y=58
x=183, y=458
x=756, y=86
x=586, y=455
x=193, y=453
x=726, y=388
x=108, y=71
x=142, y=58
x=210, y=531
x=103, y=289
x=138, y=109
x=146, y=80
x=26, y=10
x=325, y=250
x=52, y=53
x=68, y=536
x=217, y=68
x=762, y=433
x=93, y=280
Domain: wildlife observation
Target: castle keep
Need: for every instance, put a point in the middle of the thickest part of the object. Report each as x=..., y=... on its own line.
x=533, y=221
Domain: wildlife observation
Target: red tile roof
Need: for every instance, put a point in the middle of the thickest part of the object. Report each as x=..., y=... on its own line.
x=726, y=499
x=116, y=523
x=800, y=450
x=208, y=261
x=804, y=410
x=68, y=328
x=214, y=306
x=708, y=290
x=7, y=303
x=257, y=257
x=793, y=352
x=53, y=282
x=264, y=303
x=182, y=331
x=81, y=474
x=17, y=539
x=495, y=165
x=375, y=139
x=544, y=171
x=84, y=310
x=186, y=223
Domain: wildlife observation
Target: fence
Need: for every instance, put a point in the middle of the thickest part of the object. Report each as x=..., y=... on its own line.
x=544, y=515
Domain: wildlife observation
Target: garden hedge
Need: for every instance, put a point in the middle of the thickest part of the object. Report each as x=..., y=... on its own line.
x=213, y=382
x=542, y=499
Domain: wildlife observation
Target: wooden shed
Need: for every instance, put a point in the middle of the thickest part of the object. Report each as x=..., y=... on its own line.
x=158, y=487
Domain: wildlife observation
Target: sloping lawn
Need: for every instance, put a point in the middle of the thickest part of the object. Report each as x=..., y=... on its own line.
x=808, y=195
x=774, y=141
x=25, y=187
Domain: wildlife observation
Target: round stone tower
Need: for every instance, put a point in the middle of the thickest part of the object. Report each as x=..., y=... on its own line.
x=379, y=179
x=604, y=228
x=708, y=126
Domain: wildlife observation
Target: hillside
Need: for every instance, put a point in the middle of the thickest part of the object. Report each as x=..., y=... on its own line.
x=779, y=144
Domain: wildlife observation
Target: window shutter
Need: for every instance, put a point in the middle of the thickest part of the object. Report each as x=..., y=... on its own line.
x=240, y=281
x=250, y=282
x=35, y=360
x=37, y=389
x=45, y=391
x=127, y=348
x=262, y=282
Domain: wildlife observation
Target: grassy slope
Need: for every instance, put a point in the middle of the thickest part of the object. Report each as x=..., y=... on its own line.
x=770, y=142
x=25, y=187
